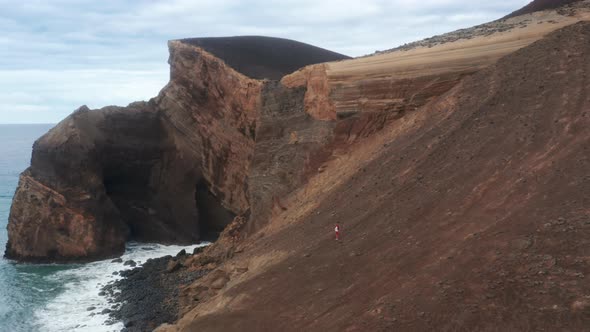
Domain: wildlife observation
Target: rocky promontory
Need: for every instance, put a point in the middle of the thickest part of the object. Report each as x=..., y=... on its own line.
x=176, y=167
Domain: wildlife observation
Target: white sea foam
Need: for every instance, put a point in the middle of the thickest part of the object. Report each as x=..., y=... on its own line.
x=69, y=310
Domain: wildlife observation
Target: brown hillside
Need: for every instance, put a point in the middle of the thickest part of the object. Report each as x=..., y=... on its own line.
x=468, y=215
x=539, y=5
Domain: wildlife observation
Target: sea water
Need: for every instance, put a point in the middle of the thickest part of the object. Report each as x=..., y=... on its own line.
x=53, y=297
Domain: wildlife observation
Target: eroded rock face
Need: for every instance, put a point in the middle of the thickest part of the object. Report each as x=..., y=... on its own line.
x=99, y=178
x=287, y=140
x=167, y=170
x=212, y=110
x=213, y=145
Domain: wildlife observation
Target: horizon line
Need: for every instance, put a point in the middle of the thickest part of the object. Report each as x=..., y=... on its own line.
x=29, y=123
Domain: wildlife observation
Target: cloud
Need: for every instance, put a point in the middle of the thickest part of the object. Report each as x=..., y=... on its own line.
x=60, y=54
x=28, y=96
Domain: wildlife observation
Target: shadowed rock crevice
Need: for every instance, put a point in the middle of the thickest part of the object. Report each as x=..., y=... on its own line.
x=129, y=174
x=213, y=217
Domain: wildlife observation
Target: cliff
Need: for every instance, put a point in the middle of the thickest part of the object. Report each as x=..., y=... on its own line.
x=469, y=214
x=170, y=169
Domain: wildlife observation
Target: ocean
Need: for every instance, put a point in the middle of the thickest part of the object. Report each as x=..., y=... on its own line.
x=53, y=297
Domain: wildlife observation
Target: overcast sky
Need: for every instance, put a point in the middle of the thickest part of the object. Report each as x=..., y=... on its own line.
x=59, y=54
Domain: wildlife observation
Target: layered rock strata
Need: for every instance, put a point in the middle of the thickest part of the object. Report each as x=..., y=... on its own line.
x=221, y=141
x=167, y=170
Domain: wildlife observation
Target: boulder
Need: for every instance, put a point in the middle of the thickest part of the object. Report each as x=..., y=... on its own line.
x=131, y=263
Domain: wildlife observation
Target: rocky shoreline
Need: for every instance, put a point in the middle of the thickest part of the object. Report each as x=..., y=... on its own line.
x=146, y=296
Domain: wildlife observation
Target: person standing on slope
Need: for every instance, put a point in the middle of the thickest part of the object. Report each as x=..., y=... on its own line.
x=337, y=232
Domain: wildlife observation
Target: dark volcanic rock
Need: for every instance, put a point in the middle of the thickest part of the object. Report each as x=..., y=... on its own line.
x=177, y=167
x=147, y=296
x=279, y=161
x=173, y=266
x=96, y=180
x=198, y=250
x=539, y=5
x=130, y=263
x=264, y=57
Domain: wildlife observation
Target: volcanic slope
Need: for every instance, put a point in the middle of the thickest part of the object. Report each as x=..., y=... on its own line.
x=468, y=215
x=539, y=5
x=264, y=57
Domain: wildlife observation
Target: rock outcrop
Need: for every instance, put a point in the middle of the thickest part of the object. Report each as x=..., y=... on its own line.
x=174, y=167
x=99, y=178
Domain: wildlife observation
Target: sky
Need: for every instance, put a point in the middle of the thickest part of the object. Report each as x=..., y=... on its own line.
x=57, y=55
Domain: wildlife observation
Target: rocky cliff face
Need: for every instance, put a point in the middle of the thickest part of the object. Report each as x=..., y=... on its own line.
x=219, y=141
x=185, y=163
x=470, y=214
x=212, y=110
x=99, y=178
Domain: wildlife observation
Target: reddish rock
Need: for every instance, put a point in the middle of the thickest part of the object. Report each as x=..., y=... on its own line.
x=471, y=217
x=167, y=170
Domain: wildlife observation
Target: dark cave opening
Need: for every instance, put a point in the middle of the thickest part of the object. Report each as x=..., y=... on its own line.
x=128, y=189
x=213, y=217
x=152, y=215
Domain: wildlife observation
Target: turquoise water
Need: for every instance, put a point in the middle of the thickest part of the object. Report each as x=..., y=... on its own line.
x=18, y=283
x=49, y=298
